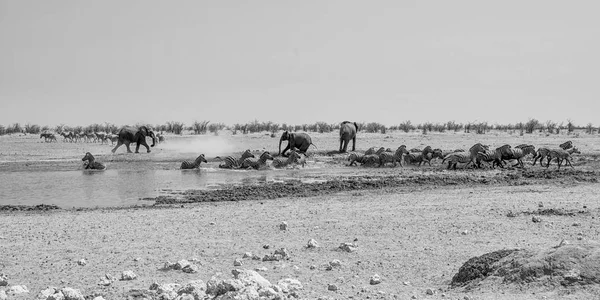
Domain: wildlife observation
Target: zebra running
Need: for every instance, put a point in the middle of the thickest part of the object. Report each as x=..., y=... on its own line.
x=67, y=136
x=48, y=137
x=385, y=157
x=231, y=162
x=92, y=164
x=545, y=153
x=519, y=152
x=256, y=163
x=562, y=155
x=424, y=157
x=373, y=151
x=494, y=157
x=293, y=158
x=463, y=157
x=186, y=164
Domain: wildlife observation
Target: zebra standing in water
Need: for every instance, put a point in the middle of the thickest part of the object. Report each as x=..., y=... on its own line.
x=293, y=158
x=385, y=157
x=252, y=162
x=92, y=164
x=561, y=155
x=231, y=162
x=186, y=165
x=545, y=152
x=463, y=157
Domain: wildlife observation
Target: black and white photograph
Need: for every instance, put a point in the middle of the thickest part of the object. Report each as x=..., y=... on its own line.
x=318, y=150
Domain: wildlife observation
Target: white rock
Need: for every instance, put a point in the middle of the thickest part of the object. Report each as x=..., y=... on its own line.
x=348, y=247
x=3, y=295
x=82, y=262
x=312, y=244
x=191, y=269
x=335, y=263
x=251, y=278
x=283, y=226
x=247, y=255
x=429, y=292
x=17, y=289
x=289, y=285
x=46, y=292
x=3, y=280
x=56, y=296
x=237, y=262
x=181, y=264
x=128, y=275
x=99, y=298
x=72, y=294
x=375, y=279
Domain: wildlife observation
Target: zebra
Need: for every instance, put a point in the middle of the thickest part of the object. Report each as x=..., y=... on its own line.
x=113, y=138
x=67, y=136
x=186, y=164
x=256, y=163
x=102, y=137
x=293, y=158
x=160, y=138
x=48, y=137
x=231, y=162
x=545, y=152
x=560, y=155
x=385, y=157
x=373, y=151
x=92, y=164
x=415, y=150
x=370, y=160
x=462, y=157
x=519, y=153
x=424, y=156
x=494, y=157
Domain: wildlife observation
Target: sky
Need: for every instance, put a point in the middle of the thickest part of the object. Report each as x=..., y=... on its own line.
x=295, y=62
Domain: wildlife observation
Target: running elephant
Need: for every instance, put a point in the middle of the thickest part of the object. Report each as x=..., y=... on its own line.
x=300, y=141
x=129, y=135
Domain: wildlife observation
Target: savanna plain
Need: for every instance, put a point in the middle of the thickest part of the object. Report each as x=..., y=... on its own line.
x=412, y=226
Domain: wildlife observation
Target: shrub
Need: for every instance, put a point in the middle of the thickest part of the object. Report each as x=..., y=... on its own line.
x=200, y=127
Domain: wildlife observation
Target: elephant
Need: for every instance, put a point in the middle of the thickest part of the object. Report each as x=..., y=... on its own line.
x=295, y=140
x=129, y=135
x=348, y=132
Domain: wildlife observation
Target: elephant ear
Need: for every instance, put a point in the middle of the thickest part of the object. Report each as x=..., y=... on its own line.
x=144, y=130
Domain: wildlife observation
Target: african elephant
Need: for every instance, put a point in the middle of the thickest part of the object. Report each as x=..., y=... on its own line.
x=129, y=135
x=348, y=132
x=295, y=140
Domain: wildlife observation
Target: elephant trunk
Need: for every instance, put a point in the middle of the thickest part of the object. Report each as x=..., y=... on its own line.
x=153, y=139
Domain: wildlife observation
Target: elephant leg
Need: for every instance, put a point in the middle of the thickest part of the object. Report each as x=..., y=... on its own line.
x=353, y=143
x=145, y=145
x=286, y=149
x=341, y=144
x=119, y=143
x=127, y=145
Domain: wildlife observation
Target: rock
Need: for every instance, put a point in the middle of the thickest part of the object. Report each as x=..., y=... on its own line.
x=82, y=262
x=3, y=295
x=45, y=293
x=104, y=282
x=283, y=226
x=335, y=263
x=256, y=257
x=406, y=283
x=289, y=285
x=3, y=280
x=237, y=262
x=249, y=277
x=181, y=264
x=247, y=255
x=72, y=294
x=261, y=269
x=536, y=219
x=375, y=279
x=348, y=247
x=283, y=252
x=429, y=292
x=196, y=288
x=464, y=232
x=128, y=275
x=576, y=224
x=312, y=244
x=266, y=246
x=563, y=242
x=332, y=287
x=191, y=269
x=312, y=267
x=541, y=204
x=56, y=296
x=99, y=298
x=17, y=289
x=211, y=223
x=168, y=265
x=137, y=259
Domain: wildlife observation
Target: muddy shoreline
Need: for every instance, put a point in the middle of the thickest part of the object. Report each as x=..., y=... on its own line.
x=406, y=183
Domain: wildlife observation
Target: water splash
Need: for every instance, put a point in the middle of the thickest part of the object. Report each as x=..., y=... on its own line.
x=210, y=146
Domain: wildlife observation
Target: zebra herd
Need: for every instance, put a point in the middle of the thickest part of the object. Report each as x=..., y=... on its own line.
x=475, y=156
x=88, y=137
x=248, y=161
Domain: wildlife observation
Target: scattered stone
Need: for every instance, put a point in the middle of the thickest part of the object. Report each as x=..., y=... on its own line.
x=190, y=269
x=536, y=219
x=137, y=259
x=348, y=247
x=406, y=282
x=296, y=268
x=72, y=294
x=56, y=296
x=283, y=225
x=279, y=254
x=82, y=262
x=328, y=267
x=128, y=275
x=211, y=223
x=332, y=287
x=312, y=267
x=289, y=285
x=168, y=266
x=3, y=280
x=335, y=263
x=511, y=214
x=45, y=293
x=237, y=262
x=429, y=292
x=266, y=246
x=541, y=204
x=312, y=244
x=17, y=289
x=464, y=232
x=247, y=255
x=181, y=264
x=195, y=288
x=256, y=257
x=576, y=224
x=413, y=297
x=261, y=269
x=375, y=279
x=467, y=298
x=563, y=242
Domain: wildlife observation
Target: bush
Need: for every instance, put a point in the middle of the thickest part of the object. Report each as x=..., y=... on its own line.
x=200, y=127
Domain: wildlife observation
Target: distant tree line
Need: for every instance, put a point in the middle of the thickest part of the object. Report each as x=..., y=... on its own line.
x=255, y=126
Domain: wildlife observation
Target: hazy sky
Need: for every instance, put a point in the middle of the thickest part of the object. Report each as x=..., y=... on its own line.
x=82, y=62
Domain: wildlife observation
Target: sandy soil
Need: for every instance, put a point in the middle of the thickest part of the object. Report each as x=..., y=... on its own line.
x=415, y=234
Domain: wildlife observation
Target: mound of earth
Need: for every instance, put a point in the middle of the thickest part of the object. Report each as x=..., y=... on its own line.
x=564, y=265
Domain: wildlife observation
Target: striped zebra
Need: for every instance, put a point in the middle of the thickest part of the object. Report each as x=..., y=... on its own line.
x=463, y=157
x=48, y=136
x=495, y=157
x=231, y=162
x=415, y=150
x=92, y=164
x=186, y=164
x=424, y=156
x=256, y=163
x=543, y=153
x=562, y=155
x=395, y=157
x=370, y=160
x=519, y=153
x=373, y=151
x=293, y=158
x=67, y=136
x=354, y=157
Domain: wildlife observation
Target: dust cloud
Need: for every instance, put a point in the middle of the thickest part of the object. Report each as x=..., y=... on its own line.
x=210, y=146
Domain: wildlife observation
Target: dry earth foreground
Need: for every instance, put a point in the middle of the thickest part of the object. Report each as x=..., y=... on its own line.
x=387, y=233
